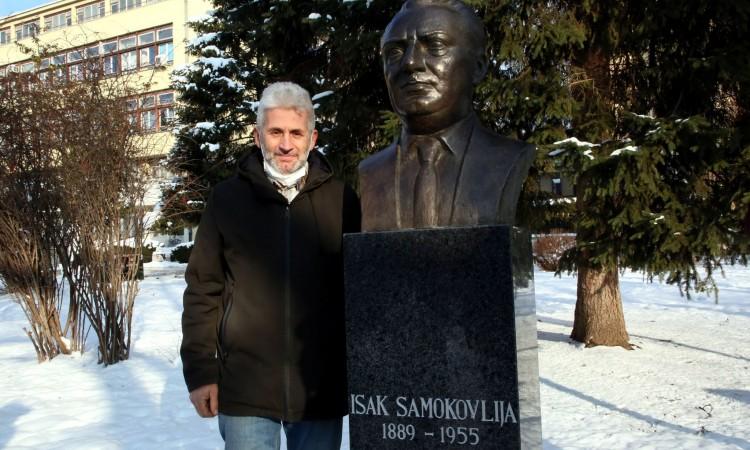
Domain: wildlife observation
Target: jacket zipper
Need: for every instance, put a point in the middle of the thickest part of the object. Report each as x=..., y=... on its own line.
x=287, y=309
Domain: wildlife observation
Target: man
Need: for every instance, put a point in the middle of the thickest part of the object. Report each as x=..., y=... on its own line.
x=444, y=169
x=263, y=323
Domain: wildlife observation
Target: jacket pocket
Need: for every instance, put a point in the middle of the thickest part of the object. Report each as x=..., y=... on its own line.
x=227, y=303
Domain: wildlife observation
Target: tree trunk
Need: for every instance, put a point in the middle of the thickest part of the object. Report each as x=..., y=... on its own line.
x=599, y=319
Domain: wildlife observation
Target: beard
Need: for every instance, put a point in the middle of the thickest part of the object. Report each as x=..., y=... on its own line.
x=269, y=158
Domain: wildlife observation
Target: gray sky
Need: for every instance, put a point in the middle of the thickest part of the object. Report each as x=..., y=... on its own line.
x=12, y=6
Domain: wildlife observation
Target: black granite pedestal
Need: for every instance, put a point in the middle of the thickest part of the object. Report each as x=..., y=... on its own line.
x=441, y=339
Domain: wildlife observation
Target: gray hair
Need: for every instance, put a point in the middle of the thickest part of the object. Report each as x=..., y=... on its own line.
x=285, y=94
x=475, y=29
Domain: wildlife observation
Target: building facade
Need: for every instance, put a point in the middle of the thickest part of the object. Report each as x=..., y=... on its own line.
x=143, y=39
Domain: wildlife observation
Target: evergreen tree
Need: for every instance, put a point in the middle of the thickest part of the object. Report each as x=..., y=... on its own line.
x=657, y=144
x=643, y=104
x=329, y=47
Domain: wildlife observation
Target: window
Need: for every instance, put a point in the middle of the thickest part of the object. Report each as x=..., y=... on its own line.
x=27, y=29
x=166, y=109
x=129, y=60
x=75, y=72
x=90, y=12
x=44, y=72
x=75, y=56
x=557, y=186
x=166, y=117
x=109, y=47
x=148, y=55
x=148, y=120
x=146, y=38
x=59, y=62
x=59, y=20
x=110, y=64
x=148, y=101
x=122, y=5
x=27, y=67
x=166, y=98
x=165, y=33
x=152, y=112
x=5, y=36
x=165, y=54
x=128, y=42
x=123, y=53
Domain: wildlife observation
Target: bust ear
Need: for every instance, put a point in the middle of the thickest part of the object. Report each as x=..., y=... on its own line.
x=480, y=69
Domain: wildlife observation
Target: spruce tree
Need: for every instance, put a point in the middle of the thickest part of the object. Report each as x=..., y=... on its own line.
x=329, y=47
x=642, y=104
x=657, y=145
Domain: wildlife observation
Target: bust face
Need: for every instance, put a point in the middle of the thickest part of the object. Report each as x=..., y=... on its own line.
x=430, y=67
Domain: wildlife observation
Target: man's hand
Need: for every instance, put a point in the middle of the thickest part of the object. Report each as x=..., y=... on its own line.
x=206, y=400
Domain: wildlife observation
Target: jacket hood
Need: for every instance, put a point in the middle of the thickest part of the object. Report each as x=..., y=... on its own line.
x=250, y=167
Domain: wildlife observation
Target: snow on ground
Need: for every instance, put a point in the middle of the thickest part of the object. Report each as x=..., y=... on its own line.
x=687, y=385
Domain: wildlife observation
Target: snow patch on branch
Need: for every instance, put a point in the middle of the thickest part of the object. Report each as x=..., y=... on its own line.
x=211, y=48
x=231, y=84
x=202, y=127
x=314, y=16
x=629, y=148
x=369, y=2
x=576, y=142
x=216, y=63
x=321, y=95
x=179, y=79
x=207, y=17
x=557, y=201
x=253, y=105
x=203, y=39
x=649, y=116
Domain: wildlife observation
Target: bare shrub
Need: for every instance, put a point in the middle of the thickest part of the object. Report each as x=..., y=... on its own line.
x=549, y=248
x=104, y=181
x=31, y=228
x=72, y=179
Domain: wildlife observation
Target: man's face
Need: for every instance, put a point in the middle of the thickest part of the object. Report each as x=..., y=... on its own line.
x=285, y=139
x=430, y=67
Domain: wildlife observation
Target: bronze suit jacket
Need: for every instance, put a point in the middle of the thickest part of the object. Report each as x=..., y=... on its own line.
x=480, y=186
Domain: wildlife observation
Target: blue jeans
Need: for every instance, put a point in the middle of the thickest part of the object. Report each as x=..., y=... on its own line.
x=260, y=433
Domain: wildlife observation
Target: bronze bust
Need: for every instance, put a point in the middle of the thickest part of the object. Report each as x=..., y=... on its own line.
x=445, y=169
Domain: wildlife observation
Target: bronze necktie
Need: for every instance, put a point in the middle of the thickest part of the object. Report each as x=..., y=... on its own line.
x=426, y=186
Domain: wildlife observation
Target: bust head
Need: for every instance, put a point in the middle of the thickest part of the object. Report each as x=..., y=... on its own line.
x=433, y=55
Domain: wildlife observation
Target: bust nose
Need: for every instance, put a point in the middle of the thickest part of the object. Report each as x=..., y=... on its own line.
x=413, y=57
